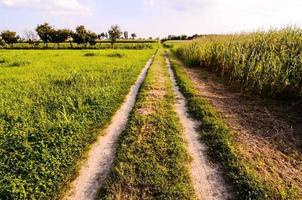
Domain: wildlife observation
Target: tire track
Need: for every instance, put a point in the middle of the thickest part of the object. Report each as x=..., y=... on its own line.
x=207, y=178
x=97, y=167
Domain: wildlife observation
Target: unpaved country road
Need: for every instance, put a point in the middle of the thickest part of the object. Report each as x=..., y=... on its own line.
x=98, y=165
x=207, y=178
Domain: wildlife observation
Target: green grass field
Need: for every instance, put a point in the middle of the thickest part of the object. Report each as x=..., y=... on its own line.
x=52, y=106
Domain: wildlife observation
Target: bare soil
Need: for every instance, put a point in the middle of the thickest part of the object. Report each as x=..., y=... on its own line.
x=268, y=132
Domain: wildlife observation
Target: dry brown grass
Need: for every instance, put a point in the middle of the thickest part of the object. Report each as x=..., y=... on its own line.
x=268, y=138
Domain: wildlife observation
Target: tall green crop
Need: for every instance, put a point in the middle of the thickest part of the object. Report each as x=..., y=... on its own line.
x=268, y=63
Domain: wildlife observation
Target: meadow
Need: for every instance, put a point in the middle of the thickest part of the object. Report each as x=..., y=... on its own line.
x=53, y=104
x=266, y=63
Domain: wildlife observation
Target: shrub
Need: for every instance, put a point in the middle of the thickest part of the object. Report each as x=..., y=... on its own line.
x=89, y=54
x=116, y=54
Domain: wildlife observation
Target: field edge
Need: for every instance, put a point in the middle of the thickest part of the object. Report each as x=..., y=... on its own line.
x=219, y=140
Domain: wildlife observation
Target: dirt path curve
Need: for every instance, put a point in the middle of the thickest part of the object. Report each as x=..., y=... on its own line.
x=97, y=167
x=207, y=178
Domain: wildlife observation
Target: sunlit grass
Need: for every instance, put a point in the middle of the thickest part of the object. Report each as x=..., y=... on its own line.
x=51, y=108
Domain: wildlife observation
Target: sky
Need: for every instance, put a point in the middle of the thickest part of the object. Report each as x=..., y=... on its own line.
x=155, y=18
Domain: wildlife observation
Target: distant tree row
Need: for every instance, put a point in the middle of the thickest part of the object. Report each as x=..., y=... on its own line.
x=125, y=35
x=48, y=34
x=180, y=37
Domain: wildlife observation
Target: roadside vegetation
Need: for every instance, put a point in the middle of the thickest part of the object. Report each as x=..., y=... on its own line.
x=151, y=159
x=52, y=107
x=224, y=148
x=265, y=63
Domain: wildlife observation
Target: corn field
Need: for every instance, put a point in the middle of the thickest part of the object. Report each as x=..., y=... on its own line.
x=266, y=63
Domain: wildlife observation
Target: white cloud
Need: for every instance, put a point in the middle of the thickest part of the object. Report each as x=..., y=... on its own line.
x=178, y=5
x=56, y=7
x=223, y=16
x=253, y=14
x=12, y=3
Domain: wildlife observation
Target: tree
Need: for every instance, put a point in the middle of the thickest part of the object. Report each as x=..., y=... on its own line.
x=193, y=37
x=133, y=35
x=44, y=31
x=83, y=36
x=114, y=33
x=184, y=37
x=70, y=39
x=31, y=37
x=126, y=35
x=80, y=35
x=2, y=43
x=59, y=36
x=91, y=38
x=10, y=37
x=102, y=35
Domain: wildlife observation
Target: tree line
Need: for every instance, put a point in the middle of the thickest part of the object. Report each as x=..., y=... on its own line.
x=180, y=37
x=48, y=34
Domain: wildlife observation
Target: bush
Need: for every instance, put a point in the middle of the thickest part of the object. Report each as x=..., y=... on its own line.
x=116, y=54
x=89, y=54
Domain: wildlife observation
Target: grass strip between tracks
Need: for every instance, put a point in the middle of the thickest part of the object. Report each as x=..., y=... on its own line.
x=152, y=162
